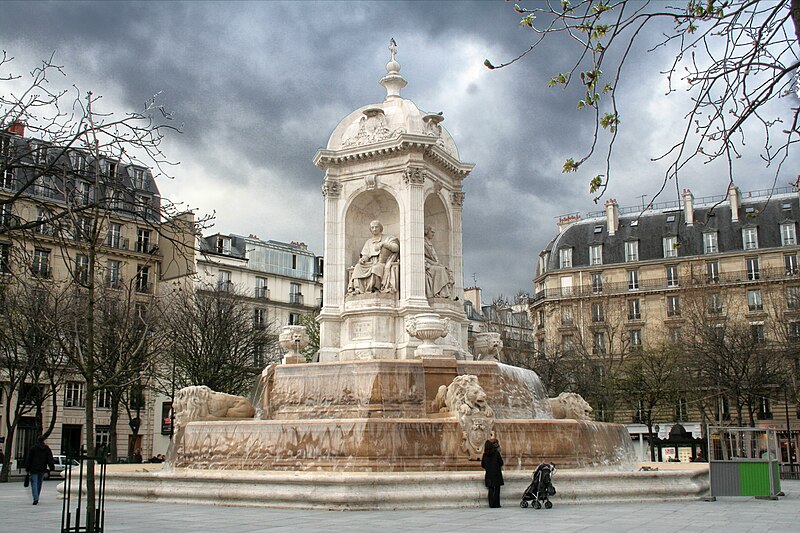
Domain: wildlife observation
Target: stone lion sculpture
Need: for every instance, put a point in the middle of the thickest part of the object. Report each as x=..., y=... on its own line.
x=570, y=405
x=466, y=400
x=464, y=396
x=201, y=403
x=488, y=346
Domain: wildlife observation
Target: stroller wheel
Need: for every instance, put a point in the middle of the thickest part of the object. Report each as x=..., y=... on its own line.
x=548, y=504
x=523, y=504
x=537, y=505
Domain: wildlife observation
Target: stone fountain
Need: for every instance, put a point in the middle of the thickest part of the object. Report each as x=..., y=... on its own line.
x=397, y=410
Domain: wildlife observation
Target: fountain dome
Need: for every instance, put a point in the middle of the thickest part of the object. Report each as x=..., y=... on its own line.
x=389, y=120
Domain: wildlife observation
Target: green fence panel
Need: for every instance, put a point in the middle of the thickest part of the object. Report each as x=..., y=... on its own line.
x=754, y=479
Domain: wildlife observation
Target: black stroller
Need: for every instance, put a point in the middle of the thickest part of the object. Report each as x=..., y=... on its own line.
x=541, y=488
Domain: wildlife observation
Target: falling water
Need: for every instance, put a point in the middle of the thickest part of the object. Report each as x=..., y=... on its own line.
x=524, y=396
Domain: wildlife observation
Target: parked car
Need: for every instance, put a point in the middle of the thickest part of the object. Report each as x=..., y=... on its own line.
x=60, y=462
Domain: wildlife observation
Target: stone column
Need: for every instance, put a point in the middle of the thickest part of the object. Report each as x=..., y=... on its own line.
x=335, y=271
x=457, y=252
x=412, y=266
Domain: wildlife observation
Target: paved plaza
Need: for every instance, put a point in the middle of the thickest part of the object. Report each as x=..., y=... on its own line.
x=726, y=514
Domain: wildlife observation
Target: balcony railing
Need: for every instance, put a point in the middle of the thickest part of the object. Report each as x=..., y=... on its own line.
x=664, y=284
x=262, y=293
x=296, y=298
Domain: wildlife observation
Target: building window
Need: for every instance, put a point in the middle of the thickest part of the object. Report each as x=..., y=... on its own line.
x=83, y=229
x=567, y=318
x=712, y=271
x=223, y=245
x=138, y=178
x=634, y=309
x=540, y=318
x=5, y=258
x=750, y=238
x=598, y=313
x=681, y=409
x=715, y=303
x=84, y=193
x=567, y=344
x=7, y=179
x=114, y=237
x=261, y=291
x=674, y=335
x=753, y=268
x=754, y=302
x=143, y=241
x=294, y=319
x=633, y=280
x=599, y=345
x=102, y=438
x=41, y=263
x=793, y=297
x=142, y=204
x=793, y=330
x=635, y=336
x=82, y=269
x=113, y=273
x=790, y=264
x=597, y=282
x=42, y=226
x=710, y=245
x=670, y=245
x=259, y=318
x=6, y=216
x=788, y=234
x=765, y=409
x=673, y=306
x=259, y=355
x=757, y=331
x=672, y=276
x=224, y=280
x=143, y=279
x=566, y=285
x=596, y=254
x=631, y=251
x=104, y=399
x=565, y=258
x=543, y=263
x=295, y=296
x=73, y=395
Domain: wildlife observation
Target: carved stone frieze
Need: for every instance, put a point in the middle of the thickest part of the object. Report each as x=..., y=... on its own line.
x=414, y=176
x=372, y=128
x=331, y=188
x=371, y=181
x=457, y=198
x=465, y=399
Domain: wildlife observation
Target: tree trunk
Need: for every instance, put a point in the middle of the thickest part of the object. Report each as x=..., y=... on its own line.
x=113, y=438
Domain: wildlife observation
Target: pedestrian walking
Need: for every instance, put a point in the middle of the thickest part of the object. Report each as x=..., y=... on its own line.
x=37, y=463
x=492, y=462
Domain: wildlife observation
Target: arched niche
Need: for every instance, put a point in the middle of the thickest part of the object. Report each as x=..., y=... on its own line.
x=437, y=217
x=368, y=206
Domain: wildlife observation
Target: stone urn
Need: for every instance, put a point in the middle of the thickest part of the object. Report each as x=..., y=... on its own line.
x=427, y=327
x=293, y=339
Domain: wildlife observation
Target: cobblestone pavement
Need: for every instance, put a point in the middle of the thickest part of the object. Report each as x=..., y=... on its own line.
x=726, y=514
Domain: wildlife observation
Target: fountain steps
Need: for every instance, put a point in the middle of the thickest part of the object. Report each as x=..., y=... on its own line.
x=394, y=490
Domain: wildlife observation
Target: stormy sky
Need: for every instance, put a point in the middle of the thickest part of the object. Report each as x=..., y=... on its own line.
x=260, y=86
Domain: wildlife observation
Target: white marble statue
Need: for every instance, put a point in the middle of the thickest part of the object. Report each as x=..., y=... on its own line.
x=377, y=269
x=438, y=278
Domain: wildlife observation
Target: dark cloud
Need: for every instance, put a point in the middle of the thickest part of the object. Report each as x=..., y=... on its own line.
x=259, y=87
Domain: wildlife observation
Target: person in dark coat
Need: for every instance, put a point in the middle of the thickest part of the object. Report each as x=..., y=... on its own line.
x=492, y=462
x=38, y=461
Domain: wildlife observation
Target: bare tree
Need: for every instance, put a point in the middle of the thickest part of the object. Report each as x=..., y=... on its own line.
x=31, y=361
x=734, y=57
x=652, y=377
x=73, y=173
x=215, y=339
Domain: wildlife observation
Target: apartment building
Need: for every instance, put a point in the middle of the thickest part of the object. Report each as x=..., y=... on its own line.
x=626, y=278
x=59, y=207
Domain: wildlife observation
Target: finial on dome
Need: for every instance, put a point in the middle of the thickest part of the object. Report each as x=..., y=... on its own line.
x=393, y=81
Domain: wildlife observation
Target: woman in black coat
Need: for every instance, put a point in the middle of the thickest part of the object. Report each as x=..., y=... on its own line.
x=492, y=462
